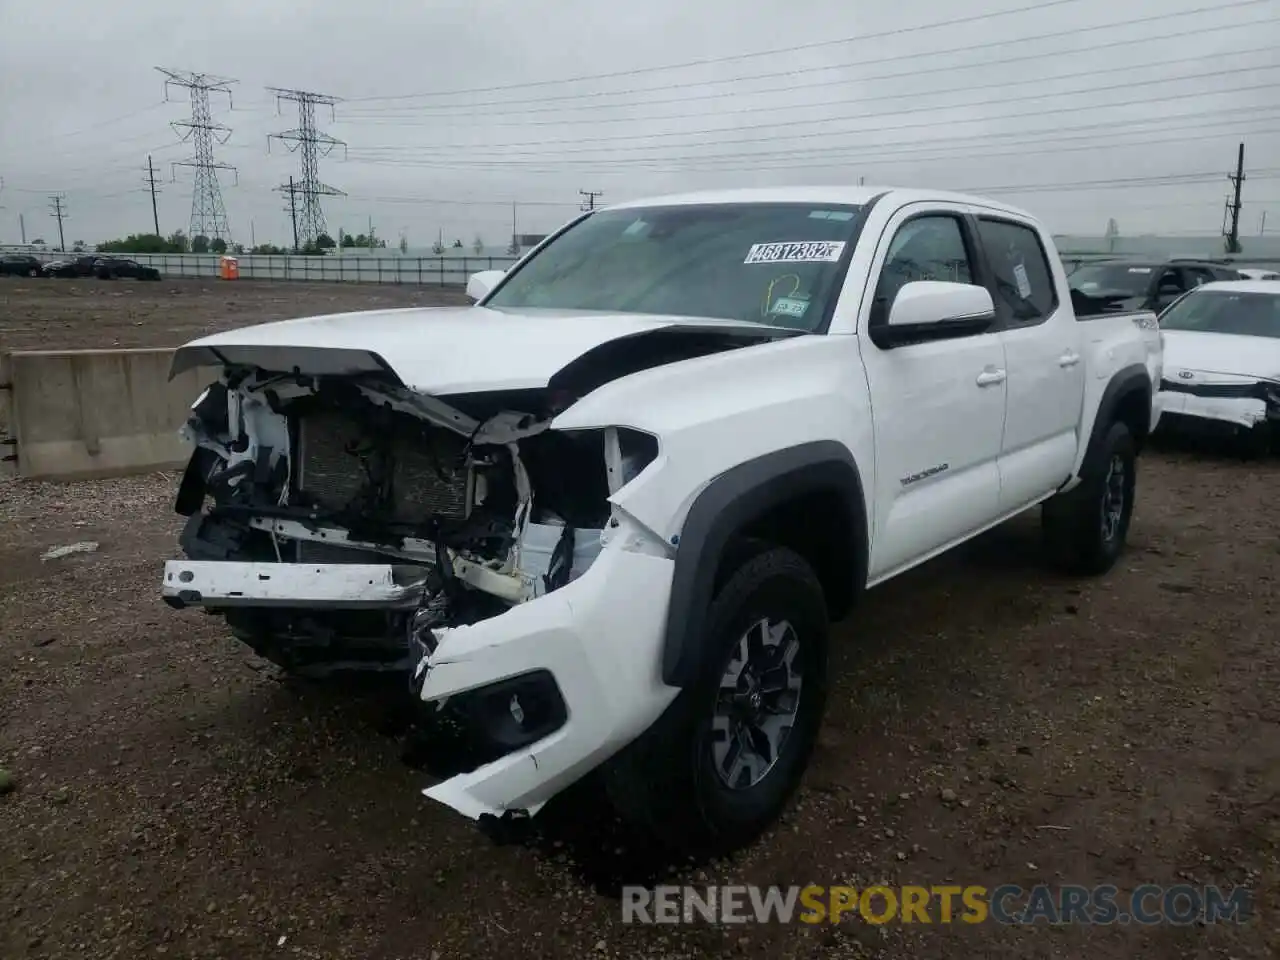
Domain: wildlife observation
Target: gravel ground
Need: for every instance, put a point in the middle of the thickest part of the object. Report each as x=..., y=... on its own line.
x=174, y=796
x=57, y=314
x=989, y=723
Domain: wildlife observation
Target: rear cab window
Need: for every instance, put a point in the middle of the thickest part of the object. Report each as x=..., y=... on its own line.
x=1024, y=288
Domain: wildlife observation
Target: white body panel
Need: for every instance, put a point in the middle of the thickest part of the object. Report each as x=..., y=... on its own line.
x=948, y=436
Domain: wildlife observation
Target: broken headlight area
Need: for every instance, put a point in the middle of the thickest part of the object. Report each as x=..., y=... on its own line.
x=493, y=507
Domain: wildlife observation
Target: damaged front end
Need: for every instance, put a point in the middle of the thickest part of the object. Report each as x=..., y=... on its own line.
x=1215, y=404
x=358, y=511
x=345, y=523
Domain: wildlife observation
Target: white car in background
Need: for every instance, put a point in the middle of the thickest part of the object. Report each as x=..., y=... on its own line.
x=1256, y=273
x=1222, y=361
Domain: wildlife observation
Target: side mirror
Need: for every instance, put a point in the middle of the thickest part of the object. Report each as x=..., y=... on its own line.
x=936, y=309
x=480, y=285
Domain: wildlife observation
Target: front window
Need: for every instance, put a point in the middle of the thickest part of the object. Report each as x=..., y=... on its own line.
x=1223, y=311
x=1112, y=279
x=770, y=263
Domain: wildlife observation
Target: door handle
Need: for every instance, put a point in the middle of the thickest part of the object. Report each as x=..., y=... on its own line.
x=1069, y=359
x=989, y=378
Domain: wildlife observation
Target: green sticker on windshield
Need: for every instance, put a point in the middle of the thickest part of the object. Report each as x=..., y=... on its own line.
x=789, y=307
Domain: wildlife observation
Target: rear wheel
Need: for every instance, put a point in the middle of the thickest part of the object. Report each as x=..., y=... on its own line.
x=719, y=765
x=1085, y=529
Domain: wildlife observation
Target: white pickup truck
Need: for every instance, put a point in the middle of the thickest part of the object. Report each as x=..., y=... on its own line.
x=605, y=516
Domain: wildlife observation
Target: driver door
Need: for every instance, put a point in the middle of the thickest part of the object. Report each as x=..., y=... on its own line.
x=938, y=406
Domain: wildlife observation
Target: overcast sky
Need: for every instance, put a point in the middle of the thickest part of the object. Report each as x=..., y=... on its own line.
x=1073, y=109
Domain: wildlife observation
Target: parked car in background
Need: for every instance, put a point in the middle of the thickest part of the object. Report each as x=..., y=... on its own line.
x=1256, y=273
x=115, y=268
x=1222, y=362
x=604, y=516
x=20, y=265
x=1123, y=285
x=82, y=266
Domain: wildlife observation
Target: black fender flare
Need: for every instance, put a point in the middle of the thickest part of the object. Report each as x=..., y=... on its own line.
x=727, y=505
x=1128, y=380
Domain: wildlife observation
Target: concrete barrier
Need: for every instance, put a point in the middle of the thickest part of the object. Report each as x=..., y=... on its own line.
x=78, y=414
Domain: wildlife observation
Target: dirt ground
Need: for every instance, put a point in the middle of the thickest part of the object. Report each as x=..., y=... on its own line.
x=173, y=796
x=64, y=314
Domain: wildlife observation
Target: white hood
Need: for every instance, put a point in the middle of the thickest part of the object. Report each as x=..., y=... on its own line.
x=1220, y=357
x=433, y=350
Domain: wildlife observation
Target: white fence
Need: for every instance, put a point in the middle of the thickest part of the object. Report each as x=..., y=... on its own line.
x=442, y=271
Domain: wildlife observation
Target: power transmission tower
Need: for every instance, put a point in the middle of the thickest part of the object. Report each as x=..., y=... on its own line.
x=311, y=144
x=1233, y=208
x=589, y=198
x=208, y=215
x=150, y=181
x=57, y=202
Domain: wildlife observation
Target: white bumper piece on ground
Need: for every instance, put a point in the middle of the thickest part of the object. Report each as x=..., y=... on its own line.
x=601, y=638
x=1244, y=412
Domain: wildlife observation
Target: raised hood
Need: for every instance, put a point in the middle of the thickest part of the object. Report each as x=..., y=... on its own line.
x=1221, y=355
x=439, y=350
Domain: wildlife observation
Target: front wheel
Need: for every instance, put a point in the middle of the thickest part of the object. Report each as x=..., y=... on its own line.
x=1085, y=529
x=719, y=765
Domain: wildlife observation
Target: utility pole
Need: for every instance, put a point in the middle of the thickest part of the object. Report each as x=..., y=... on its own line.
x=60, y=213
x=1262, y=224
x=311, y=145
x=589, y=199
x=208, y=215
x=293, y=213
x=22, y=228
x=151, y=182
x=1233, y=237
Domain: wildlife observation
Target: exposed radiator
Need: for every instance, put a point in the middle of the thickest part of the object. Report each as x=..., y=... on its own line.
x=338, y=457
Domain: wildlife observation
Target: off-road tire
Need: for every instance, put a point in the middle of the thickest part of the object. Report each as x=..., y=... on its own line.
x=1072, y=522
x=665, y=782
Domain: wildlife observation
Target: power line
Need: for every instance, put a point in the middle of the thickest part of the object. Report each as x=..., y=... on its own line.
x=708, y=61
x=755, y=109
x=57, y=203
x=931, y=55
x=589, y=199
x=311, y=145
x=208, y=215
x=789, y=132
x=937, y=148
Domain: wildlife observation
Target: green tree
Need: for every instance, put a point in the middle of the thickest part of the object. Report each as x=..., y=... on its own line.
x=218, y=246
x=269, y=249
x=200, y=243
x=145, y=243
x=348, y=241
x=78, y=247
x=325, y=242
x=178, y=242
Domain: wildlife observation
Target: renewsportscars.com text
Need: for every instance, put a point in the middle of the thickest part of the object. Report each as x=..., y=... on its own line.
x=1178, y=905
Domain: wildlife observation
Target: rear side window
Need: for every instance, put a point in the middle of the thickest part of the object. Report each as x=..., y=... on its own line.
x=1021, y=272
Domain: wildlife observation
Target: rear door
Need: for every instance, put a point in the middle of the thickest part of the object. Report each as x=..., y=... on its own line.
x=1046, y=370
x=938, y=406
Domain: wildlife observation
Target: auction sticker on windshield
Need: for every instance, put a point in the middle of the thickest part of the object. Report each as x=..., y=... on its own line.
x=813, y=251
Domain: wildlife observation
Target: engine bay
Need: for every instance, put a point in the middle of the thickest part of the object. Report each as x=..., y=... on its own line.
x=492, y=506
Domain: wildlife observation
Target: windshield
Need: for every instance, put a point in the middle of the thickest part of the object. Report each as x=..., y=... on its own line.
x=775, y=264
x=1221, y=311
x=1111, y=279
